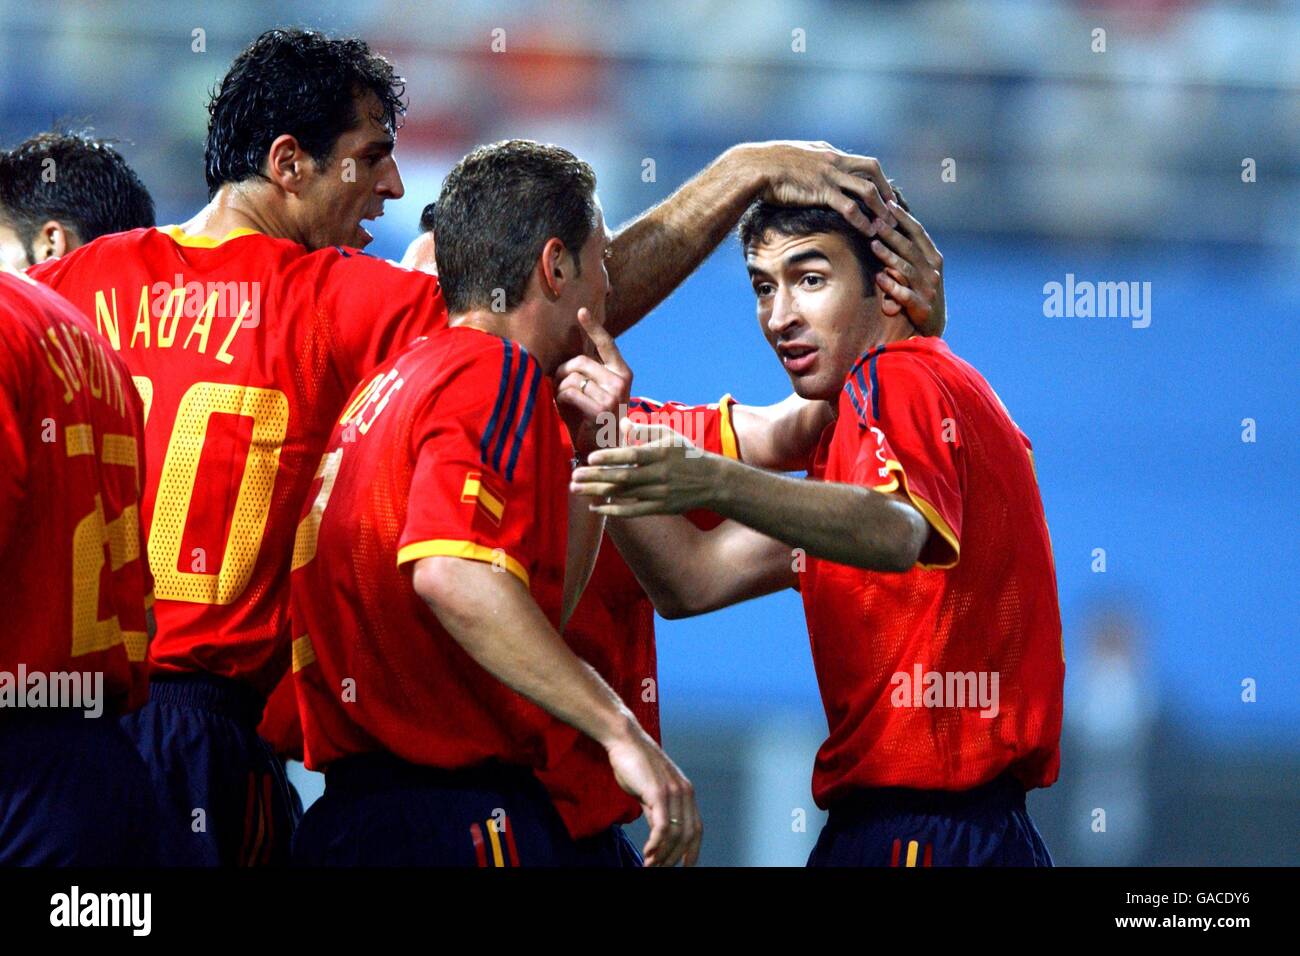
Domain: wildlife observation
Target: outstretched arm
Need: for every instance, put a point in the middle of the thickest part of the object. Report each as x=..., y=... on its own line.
x=687, y=571
x=847, y=524
x=655, y=252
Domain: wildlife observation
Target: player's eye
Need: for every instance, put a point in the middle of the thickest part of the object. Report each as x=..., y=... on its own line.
x=812, y=280
x=762, y=289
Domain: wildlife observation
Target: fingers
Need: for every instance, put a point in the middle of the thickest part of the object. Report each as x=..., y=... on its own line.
x=604, y=343
x=618, y=480
x=867, y=191
x=695, y=832
x=917, y=307
x=656, y=814
x=622, y=455
x=584, y=366
x=591, y=402
x=678, y=831
x=894, y=259
x=634, y=509
x=866, y=166
x=916, y=231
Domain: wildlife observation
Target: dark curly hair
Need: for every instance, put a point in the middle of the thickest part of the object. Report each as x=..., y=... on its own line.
x=298, y=82
x=75, y=179
x=762, y=218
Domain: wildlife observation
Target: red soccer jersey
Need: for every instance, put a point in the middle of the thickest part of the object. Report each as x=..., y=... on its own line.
x=281, y=726
x=907, y=662
x=244, y=352
x=454, y=448
x=613, y=629
x=72, y=581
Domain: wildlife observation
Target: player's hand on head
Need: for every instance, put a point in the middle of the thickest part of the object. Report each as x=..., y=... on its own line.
x=656, y=471
x=666, y=796
x=593, y=391
x=912, y=280
x=803, y=173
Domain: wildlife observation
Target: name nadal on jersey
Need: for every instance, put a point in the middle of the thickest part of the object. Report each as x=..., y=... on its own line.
x=190, y=316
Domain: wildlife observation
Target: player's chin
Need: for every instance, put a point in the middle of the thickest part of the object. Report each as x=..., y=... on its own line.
x=814, y=387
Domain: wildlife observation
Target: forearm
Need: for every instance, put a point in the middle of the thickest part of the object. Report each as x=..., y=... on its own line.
x=586, y=528
x=780, y=437
x=686, y=571
x=495, y=619
x=843, y=523
x=654, y=253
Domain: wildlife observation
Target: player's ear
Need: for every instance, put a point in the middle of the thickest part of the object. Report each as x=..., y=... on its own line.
x=285, y=162
x=555, y=267
x=54, y=239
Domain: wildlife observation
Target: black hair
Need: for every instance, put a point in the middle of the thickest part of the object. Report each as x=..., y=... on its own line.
x=426, y=217
x=79, y=181
x=498, y=208
x=296, y=82
x=762, y=218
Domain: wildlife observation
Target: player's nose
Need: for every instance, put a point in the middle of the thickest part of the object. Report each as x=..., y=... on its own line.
x=783, y=314
x=390, y=184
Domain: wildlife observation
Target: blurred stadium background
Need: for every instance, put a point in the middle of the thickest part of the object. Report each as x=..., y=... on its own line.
x=1117, y=166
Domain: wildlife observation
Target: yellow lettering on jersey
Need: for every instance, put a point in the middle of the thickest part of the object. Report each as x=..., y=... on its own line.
x=362, y=397
x=106, y=321
x=144, y=386
x=223, y=354
x=96, y=366
x=142, y=317
x=74, y=351
x=172, y=309
x=203, y=323
x=68, y=393
x=68, y=369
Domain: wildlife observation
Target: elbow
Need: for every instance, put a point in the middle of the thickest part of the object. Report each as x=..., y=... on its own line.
x=437, y=581
x=672, y=607
x=906, y=537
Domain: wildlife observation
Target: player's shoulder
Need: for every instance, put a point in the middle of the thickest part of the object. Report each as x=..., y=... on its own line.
x=357, y=269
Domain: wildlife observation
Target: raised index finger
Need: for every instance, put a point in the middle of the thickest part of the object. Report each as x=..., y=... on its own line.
x=604, y=342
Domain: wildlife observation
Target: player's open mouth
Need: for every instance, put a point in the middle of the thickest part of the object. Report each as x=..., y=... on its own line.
x=363, y=232
x=797, y=359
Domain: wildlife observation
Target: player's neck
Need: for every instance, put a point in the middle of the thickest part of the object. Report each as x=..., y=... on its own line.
x=885, y=329
x=518, y=325
x=235, y=206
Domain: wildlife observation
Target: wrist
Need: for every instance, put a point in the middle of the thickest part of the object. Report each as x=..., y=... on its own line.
x=620, y=728
x=745, y=164
x=719, y=482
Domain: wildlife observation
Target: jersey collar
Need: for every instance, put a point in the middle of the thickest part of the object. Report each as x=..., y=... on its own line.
x=183, y=238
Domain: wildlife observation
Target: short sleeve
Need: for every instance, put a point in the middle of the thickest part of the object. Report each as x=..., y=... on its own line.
x=485, y=446
x=377, y=309
x=909, y=439
x=13, y=444
x=708, y=427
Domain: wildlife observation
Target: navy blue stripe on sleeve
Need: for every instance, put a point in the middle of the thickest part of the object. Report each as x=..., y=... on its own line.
x=501, y=397
x=523, y=422
x=515, y=389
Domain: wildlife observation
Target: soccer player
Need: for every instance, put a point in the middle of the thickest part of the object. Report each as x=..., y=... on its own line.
x=613, y=628
x=247, y=327
x=76, y=592
x=63, y=190
x=929, y=586
x=430, y=577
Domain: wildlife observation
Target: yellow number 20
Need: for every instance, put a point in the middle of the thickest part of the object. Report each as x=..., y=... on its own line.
x=269, y=410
